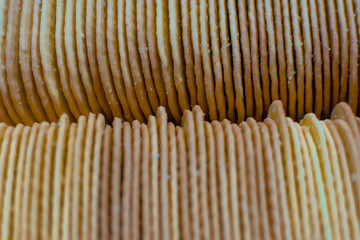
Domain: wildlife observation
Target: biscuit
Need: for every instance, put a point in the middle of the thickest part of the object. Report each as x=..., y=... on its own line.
x=134, y=59
x=236, y=60
x=8, y=189
x=25, y=62
x=176, y=103
x=67, y=59
x=48, y=57
x=103, y=61
x=114, y=58
x=214, y=46
x=86, y=50
x=144, y=57
x=205, y=47
x=36, y=65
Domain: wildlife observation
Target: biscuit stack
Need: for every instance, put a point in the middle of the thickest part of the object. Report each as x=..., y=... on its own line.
x=275, y=179
x=126, y=58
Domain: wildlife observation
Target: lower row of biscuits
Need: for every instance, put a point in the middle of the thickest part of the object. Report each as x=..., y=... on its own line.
x=276, y=179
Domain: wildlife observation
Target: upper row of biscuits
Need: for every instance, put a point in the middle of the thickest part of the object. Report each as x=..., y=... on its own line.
x=126, y=58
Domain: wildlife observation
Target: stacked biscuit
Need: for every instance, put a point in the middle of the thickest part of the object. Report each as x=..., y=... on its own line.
x=275, y=179
x=126, y=58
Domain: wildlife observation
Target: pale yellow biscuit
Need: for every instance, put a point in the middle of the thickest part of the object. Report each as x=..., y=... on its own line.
x=8, y=189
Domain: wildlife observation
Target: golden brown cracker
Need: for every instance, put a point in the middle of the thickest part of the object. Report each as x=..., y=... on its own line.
x=245, y=48
x=230, y=163
x=77, y=199
x=252, y=199
x=4, y=88
x=36, y=208
x=8, y=191
x=125, y=66
x=144, y=57
x=308, y=56
x=65, y=40
x=86, y=50
x=192, y=45
x=280, y=178
x=236, y=60
x=345, y=181
x=241, y=183
x=25, y=205
x=114, y=58
x=126, y=183
x=87, y=169
x=177, y=54
x=174, y=185
x=318, y=84
x=154, y=53
x=48, y=57
x=103, y=61
x=95, y=177
x=135, y=64
x=260, y=179
x=176, y=103
x=190, y=141
x=201, y=156
x=270, y=184
x=334, y=51
x=353, y=84
x=213, y=44
x=280, y=48
x=184, y=18
x=161, y=120
x=326, y=48
x=226, y=59
x=318, y=137
x=154, y=178
x=145, y=207
x=254, y=48
x=19, y=183
x=25, y=62
x=48, y=182
x=60, y=164
x=135, y=182
x=214, y=211
x=63, y=31
x=263, y=52
x=299, y=62
x=104, y=201
x=36, y=65
x=69, y=171
x=299, y=178
x=319, y=186
x=185, y=224
x=290, y=64
x=116, y=178
x=205, y=47
x=276, y=113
